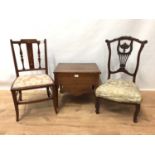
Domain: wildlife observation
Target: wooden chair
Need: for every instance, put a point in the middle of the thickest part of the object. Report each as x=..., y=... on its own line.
x=30, y=81
x=119, y=90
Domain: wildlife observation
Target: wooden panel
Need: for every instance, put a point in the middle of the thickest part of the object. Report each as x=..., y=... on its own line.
x=76, y=78
x=77, y=67
x=77, y=89
x=30, y=55
x=76, y=83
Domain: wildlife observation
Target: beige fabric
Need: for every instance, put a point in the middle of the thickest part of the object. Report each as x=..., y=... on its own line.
x=32, y=80
x=119, y=90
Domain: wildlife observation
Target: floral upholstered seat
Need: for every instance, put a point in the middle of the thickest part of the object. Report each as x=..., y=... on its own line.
x=25, y=52
x=120, y=91
x=124, y=57
x=32, y=80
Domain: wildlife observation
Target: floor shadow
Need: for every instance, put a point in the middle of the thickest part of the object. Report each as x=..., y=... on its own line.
x=81, y=99
x=116, y=107
x=36, y=107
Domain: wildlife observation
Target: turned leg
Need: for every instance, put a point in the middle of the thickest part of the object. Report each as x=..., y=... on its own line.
x=48, y=92
x=15, y=104
x=137, y=110
x=97, y=105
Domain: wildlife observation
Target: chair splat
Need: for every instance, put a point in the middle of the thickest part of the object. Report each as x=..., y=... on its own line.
x=39, y=59
x=30, y=55
x=21, y=56
x=124, y=55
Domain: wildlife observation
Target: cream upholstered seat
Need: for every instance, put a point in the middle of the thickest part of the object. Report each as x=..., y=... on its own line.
x=32, y=80
x=30, y=55
x=120, y=91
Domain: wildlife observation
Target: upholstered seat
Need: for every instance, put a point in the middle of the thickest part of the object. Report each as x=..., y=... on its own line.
x=25, y=52
x=120, y=91
x=32, y=80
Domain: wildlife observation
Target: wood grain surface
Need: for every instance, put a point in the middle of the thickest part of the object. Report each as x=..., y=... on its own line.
x=76, y=116
x=77, y=67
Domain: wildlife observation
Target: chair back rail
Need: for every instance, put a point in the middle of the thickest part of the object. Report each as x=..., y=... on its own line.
x=124, y=51
x=30, y=55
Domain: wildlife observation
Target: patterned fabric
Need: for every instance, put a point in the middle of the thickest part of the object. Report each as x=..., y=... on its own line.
x=32, y=80
x=119, y=90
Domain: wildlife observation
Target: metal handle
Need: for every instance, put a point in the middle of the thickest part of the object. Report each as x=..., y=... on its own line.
x=76, y=75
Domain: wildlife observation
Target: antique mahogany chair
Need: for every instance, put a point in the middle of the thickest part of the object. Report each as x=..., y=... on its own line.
x=120, y=90
x=24, y=53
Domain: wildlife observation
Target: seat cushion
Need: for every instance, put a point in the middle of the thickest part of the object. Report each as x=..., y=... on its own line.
x=120, y=91
x=32, y=80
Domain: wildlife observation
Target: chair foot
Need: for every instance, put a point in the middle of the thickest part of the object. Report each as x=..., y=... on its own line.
x=17, y=118
x=137, y=110
x=56, y=111
x=15, y=104
x=55, y=106
x=97, y=105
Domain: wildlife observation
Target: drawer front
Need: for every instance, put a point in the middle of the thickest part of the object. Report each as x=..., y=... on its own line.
x=77, y=84
x=77, y=89
x=75, y=78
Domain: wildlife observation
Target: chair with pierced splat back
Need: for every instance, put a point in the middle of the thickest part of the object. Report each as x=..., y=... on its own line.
x=119, y=90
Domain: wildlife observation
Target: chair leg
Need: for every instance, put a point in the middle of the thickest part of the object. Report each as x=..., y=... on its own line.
x=61, y=89
x=97, y=105
x=137, y=110
x=20, y=95
x=15, y=104
x=48, y=92
x=55, y=99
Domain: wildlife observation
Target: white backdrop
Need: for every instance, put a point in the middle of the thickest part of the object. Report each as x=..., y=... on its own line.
x=73, y=40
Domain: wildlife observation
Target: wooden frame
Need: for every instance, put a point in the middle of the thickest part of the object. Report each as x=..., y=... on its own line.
x=123, y=57
x=76, y=78
x=17, y=92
